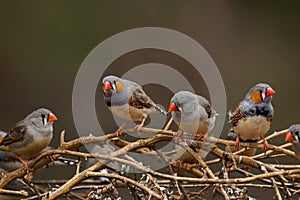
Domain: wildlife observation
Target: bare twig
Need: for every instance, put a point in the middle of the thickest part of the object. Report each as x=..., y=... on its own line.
x=124, y=179
x=12, y=192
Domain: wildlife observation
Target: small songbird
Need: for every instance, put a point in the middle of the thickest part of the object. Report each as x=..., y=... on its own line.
x=127, y=100
x=293, y=135
x=29, y=136
x=192, y=113
x=248, y=151
x=253, y=117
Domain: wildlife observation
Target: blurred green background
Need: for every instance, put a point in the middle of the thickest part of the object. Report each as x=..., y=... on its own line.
x=42, y=45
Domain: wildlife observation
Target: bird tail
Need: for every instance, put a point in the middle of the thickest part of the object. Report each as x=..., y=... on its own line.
x=160, y=109
x=2, y=135
x=229, y=116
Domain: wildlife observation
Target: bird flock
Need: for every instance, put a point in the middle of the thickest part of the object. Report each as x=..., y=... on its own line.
x=193, y=114
x=126, y=99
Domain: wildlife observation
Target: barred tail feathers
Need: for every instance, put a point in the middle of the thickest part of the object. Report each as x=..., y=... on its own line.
x=160, y=109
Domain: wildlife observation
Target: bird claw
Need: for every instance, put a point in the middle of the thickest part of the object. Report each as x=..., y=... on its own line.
x=237, y=142
x=202, y=137
x=179, y=163
x=27, y=168
x=139, y=128
x=178, y=135
x=24, y=163
x=50, y=157
x=265, y=145
x=119, y=132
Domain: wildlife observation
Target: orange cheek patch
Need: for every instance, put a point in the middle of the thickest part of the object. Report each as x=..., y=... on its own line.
x=1, y=138
x=119, y=86
x=256, y=97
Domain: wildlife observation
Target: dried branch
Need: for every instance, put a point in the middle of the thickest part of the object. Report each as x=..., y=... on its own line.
x=126, y=180
x=12, y=192
x=282, y=177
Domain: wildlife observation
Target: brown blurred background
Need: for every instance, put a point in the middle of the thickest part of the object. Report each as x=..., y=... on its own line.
x=44, y=44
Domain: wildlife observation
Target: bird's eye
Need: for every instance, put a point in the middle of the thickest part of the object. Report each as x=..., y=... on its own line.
x=43, y=116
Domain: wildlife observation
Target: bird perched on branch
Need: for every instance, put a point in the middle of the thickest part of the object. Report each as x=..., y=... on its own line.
x=127, y=100
x=192, y=113
x=253, y=117
x=248, y=151
x=29, y=136
x=293, y=135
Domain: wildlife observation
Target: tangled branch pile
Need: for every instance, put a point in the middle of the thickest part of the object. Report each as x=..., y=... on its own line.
x=220, y=175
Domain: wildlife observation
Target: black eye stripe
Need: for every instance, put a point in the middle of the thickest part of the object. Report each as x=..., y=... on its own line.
x=43, y=117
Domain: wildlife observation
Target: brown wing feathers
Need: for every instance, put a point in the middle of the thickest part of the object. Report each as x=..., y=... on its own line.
x=236, y=116
x=140, y=100
x=14, y=135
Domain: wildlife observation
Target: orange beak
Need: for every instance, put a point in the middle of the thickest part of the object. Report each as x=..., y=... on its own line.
x=172, y=107
x=107, y=85
x=270, y=92
x=52, y=117
x=289, y=137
